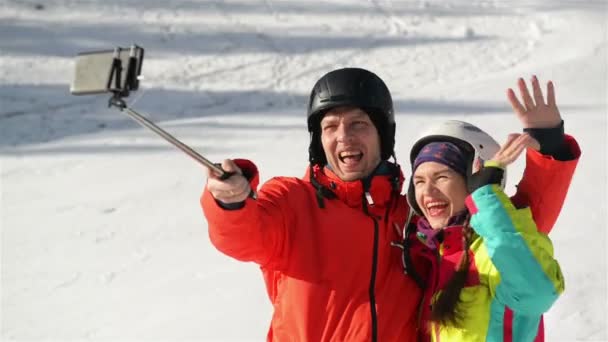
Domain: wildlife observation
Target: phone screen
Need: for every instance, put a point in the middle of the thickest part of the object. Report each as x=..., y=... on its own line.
x=93, y=71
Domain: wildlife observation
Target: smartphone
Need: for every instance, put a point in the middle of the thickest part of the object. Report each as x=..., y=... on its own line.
x=107, y=71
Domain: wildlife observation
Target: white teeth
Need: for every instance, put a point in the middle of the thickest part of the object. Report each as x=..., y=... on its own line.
x=435, y=204
x=349, y=154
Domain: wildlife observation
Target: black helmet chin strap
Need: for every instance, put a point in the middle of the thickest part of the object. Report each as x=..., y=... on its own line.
x=408, y=266
x=316, y=155
x=322, y=191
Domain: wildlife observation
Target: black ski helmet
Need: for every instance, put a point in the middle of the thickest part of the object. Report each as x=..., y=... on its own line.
x=351, y=87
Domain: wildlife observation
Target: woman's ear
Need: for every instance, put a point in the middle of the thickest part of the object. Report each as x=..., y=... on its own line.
x=477, y=165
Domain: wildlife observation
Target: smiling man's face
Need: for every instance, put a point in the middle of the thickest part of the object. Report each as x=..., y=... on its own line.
x=351, y=143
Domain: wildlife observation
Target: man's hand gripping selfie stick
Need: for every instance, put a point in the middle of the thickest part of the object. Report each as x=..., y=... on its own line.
x=131, y=83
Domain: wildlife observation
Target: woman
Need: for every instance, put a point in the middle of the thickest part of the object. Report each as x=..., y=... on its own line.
x=487, y=273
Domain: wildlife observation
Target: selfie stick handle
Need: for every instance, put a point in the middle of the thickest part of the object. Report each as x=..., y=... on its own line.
x=118, y=102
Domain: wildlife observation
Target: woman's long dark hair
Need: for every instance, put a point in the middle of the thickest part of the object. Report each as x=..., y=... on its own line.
x=446, y=309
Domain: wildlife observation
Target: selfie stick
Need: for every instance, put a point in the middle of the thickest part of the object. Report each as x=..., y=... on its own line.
x=142, y=120
x=121, y=91
x=120, y=81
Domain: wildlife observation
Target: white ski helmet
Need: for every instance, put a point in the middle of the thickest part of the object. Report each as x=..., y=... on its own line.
x=477, y=144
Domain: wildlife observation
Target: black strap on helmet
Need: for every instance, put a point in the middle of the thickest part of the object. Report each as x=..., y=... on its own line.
x=321, y=191
x=404, y=245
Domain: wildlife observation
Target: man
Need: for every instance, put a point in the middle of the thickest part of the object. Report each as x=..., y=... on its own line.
x=324, y=242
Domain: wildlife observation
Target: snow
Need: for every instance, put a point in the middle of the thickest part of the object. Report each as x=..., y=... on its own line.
x=103, y=238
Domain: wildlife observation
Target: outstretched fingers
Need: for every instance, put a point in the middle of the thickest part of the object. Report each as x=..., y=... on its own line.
x=525, y=94
x=551, y=95
x=518, y=146
x=513, y=148
x=518, y=108
x=538, y=93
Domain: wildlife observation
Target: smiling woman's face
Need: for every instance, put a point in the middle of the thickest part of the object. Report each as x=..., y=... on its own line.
x=440, y=192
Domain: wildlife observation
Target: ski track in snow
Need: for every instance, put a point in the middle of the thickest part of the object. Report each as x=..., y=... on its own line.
x=100, y=218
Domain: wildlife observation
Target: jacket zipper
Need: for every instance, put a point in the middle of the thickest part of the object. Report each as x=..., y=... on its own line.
x=372, y=284
x=367, y=200
x=435, y=287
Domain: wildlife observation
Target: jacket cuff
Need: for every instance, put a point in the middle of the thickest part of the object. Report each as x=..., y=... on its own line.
x=552, y=141
x=491, y=173
x=235, y=205
x=230, y=206
x=250, y=171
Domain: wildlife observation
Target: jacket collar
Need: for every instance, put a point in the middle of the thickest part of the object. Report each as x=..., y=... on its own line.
x=450, y=236
x=380, y=186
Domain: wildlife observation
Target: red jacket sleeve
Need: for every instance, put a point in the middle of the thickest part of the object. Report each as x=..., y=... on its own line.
x=257, y=231
x=545, y=184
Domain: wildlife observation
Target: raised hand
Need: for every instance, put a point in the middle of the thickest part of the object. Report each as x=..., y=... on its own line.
x=535, y=112
x=512, y=149
x=232, y=190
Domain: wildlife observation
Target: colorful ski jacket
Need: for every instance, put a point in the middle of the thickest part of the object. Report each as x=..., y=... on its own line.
x=512, y=279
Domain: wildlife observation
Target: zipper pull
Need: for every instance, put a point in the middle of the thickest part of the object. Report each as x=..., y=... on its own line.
x=369, y=199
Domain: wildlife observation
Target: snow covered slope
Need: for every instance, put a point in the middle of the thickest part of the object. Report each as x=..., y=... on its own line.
x=102, y=235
